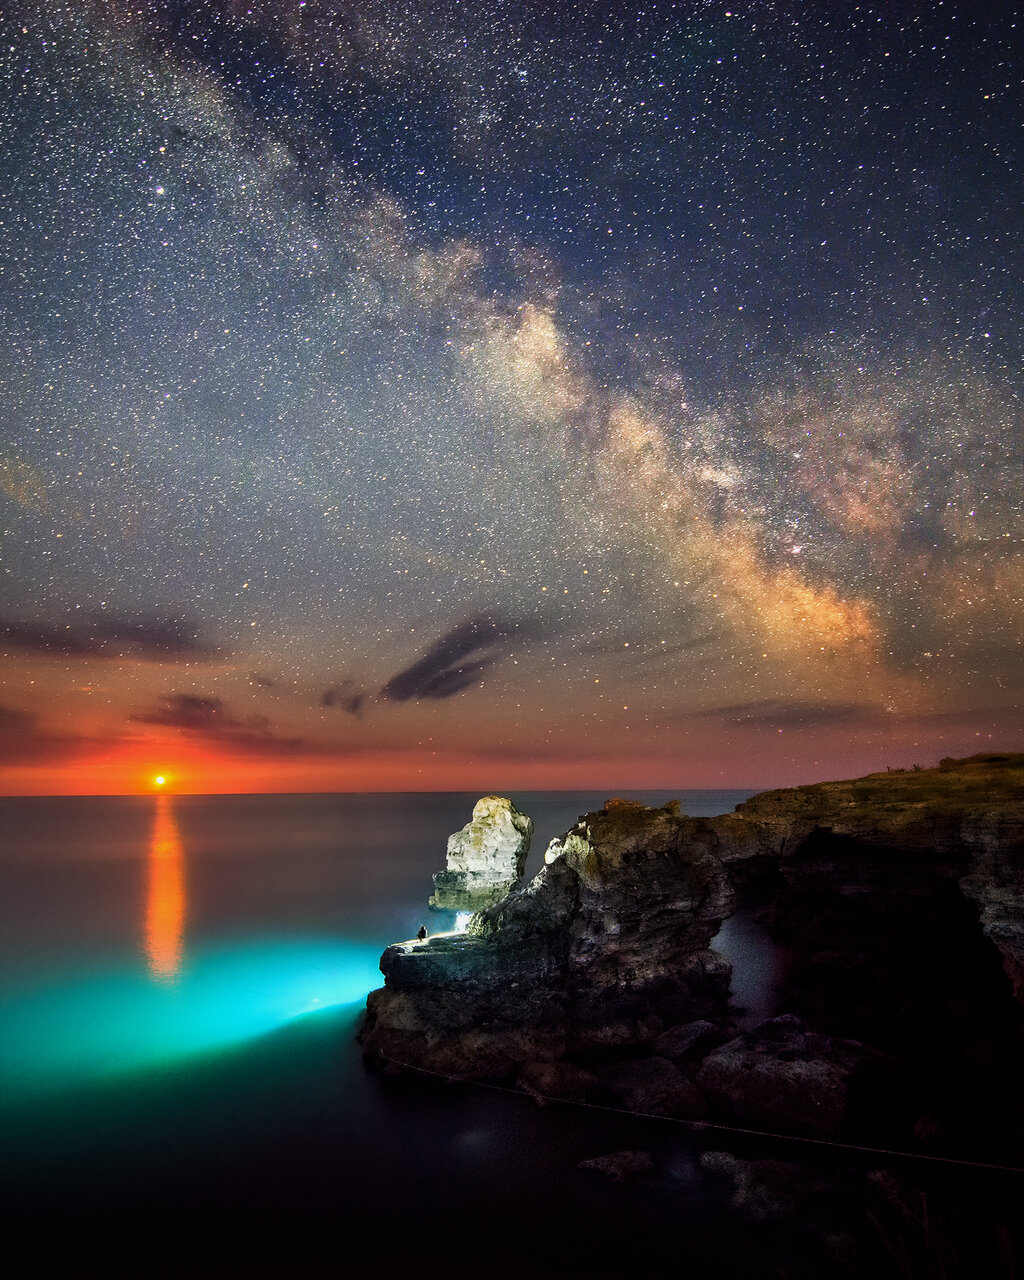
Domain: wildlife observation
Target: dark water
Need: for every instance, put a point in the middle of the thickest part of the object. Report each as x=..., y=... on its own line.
x=181, y=982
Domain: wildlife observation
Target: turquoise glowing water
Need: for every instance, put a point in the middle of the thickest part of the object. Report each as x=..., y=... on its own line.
x=103, y=1020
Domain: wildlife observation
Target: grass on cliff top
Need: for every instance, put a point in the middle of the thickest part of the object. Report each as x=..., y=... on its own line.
x=989, y=778
x=950, y=787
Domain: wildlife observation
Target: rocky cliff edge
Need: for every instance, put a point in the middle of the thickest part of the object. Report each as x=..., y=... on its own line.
x=902, y=893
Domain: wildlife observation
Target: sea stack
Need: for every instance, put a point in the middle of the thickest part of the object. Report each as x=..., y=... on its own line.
x=606, y=947
x=485, y=859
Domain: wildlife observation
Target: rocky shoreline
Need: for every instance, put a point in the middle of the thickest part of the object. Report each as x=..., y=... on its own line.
x=901, y=895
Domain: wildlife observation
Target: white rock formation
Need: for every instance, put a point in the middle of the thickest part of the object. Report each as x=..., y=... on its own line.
x=485, y=859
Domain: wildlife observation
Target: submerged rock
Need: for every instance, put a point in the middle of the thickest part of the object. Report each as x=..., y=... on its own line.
x=485, y=859
x=765, y=1189
x=620, y=1165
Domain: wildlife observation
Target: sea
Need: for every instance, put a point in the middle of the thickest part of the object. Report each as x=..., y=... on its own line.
x=182, y=980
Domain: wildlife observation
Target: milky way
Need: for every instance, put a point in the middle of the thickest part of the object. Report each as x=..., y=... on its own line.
x=446, y=395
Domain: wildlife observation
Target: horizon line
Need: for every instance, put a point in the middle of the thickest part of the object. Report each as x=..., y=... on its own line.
x=452, y=791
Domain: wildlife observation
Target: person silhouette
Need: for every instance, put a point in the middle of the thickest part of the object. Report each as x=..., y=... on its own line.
x=421, y=932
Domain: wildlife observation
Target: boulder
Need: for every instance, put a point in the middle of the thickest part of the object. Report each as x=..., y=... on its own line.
x=690, y=1041
x=557, y=1082
x=653, y=1086
x=765, y=1189
x=783, y=1078
x=627, y=904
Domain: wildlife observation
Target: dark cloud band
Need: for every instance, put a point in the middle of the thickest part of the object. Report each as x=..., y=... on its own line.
x=458, y=659
x=212, y=720
x=107, y=638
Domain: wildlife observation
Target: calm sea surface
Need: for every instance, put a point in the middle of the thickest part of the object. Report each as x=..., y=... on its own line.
x=181, y=980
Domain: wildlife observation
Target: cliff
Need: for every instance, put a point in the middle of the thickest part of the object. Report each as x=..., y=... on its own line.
x=901, y=895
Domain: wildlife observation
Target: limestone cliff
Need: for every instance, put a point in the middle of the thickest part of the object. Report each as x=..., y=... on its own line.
x=901, y=893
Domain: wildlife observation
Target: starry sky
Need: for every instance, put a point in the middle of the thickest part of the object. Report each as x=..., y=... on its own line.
x=436, y=395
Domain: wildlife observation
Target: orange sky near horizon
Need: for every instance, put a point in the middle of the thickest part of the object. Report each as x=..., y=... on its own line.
x=132, y=769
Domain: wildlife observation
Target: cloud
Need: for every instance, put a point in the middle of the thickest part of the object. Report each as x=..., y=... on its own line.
x=212, y=720
x=457, y=660
x=20, y=740
x=773, y=713
x=345, y=695
x=110, y=638
x=23, y=742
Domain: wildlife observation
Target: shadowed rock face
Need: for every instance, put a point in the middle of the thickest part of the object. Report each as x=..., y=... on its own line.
x=995, y=837
x=903, y=893
x=485, y=859
x=896, y=843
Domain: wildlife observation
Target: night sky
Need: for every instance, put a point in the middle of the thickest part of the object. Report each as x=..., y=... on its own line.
x=412, y=395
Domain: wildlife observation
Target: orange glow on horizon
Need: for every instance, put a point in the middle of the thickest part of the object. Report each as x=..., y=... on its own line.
x=131, y=768
x=165, y=897
x=407, y=771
